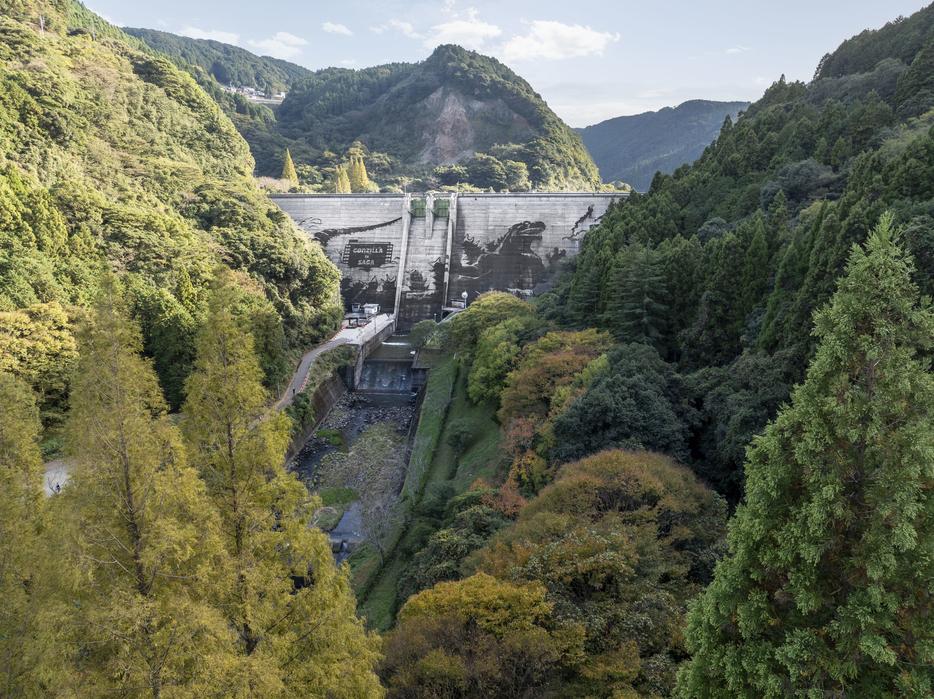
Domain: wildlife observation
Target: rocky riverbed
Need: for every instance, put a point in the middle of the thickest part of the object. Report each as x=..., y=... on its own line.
x=353, y=413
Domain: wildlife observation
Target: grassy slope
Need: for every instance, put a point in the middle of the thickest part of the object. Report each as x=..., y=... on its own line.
x=376, y=588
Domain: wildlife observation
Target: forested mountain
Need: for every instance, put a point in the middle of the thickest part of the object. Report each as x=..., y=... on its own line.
x=142, y=271
x=721, y=264
x=227, y=64
x=456, y=118
x=632, y=149
x=427, y=120
x=752, y=334
x=112, y=157
x=898, y=39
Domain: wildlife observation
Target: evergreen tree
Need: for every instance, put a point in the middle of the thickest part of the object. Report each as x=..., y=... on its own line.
x=828, y=591
x=781, y=300
x=680, y=260
x=755, y=269
x=147, y=535
x=641, y=310
x=288, y=170
x=292, y=611
x=840, y=154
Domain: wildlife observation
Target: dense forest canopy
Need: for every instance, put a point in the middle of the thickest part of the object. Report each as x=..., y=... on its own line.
x=227, y=64
x=112, y=157
x=795, y=251
x=392, y=115
x=752, y=334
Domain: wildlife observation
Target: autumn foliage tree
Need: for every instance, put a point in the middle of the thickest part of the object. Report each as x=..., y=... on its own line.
x=550, y=363
x=476, y=637
x=583, y=595
x=621, y=541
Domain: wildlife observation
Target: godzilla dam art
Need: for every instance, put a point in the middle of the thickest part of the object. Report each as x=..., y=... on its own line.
x=416, y=255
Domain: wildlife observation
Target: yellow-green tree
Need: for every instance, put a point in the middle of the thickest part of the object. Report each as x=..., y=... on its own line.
x=356, y=173
x=292, y=611
x=288, y=170
x=147, y=536
x=26, y=577
x=479, y=637
x=340, y=181
x=37, y=346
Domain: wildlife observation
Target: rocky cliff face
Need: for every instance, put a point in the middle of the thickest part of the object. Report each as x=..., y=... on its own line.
x=459, y=126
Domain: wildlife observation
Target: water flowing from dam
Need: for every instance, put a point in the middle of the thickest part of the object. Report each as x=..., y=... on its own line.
x=386, y=376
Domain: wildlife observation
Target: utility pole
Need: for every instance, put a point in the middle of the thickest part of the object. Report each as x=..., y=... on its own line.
x=42, y=25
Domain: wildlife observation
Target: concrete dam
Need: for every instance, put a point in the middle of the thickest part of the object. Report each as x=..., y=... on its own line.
x=417, y=254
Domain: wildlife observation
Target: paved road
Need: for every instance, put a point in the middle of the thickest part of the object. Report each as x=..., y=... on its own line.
x=353, y=336
x=345, y=336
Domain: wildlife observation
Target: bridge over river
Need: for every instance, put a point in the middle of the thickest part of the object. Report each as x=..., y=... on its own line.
x=417, y=254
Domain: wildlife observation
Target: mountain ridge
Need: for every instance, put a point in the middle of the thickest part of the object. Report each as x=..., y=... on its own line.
x=633, y=148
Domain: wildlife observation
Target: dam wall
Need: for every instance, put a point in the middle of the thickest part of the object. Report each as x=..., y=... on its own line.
x=417, y=254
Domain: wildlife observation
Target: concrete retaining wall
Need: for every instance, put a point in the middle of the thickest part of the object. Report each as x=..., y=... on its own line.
x=322, y=401
x=351, y=375
x=413, y=254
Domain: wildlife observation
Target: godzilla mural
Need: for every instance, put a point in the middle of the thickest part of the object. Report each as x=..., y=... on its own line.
x=424, y=251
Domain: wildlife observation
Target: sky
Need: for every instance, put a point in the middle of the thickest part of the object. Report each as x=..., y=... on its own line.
x=591, y=60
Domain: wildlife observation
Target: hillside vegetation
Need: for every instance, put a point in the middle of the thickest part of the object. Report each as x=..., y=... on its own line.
x=762, y=317
x=112, y=158
x=225, y=63
x=632, y=149
x=752, y=335
x=505, y=117
x=457, y=118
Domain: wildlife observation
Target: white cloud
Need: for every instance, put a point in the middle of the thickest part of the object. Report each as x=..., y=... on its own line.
x=406, y=28
x=650, y=94
x=761, y=81
x=290, y=39
x=336, y=28
x=736, y=49
x=470, y=33
x=162, y=23
x=554, y=40
x=283, y=45
x=349, y=62
x=215, y=34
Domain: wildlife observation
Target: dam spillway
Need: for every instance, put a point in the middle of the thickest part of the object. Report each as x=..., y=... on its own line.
x=417, y=254
x=386, y=376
